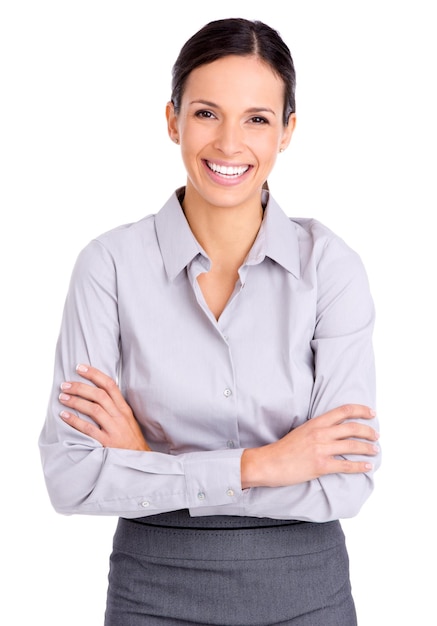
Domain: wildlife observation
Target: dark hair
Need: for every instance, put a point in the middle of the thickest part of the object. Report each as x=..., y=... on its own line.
x=238, y=36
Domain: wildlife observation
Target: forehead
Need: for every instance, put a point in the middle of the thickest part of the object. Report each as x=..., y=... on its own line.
x=244, y=78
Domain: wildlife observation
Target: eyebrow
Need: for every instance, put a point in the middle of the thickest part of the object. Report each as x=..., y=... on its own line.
x=251, y=110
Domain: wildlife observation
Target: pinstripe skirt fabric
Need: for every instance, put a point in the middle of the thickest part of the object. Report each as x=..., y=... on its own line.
x=172, y=569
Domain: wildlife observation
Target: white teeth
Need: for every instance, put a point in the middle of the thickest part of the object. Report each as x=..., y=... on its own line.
x=228, y=171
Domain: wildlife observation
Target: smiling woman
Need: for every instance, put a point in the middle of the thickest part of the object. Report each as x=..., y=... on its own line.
x=224, y=405
x=230, y=127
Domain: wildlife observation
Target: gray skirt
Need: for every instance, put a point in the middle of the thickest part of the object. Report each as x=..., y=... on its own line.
x=172, y=569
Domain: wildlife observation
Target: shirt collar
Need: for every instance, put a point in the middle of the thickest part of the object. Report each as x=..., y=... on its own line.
x=277, y=238
x=176, y=241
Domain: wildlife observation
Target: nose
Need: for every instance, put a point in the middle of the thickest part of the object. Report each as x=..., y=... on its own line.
x=229, y=138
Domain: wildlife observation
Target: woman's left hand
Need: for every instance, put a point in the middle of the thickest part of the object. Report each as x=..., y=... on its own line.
x=114, y=424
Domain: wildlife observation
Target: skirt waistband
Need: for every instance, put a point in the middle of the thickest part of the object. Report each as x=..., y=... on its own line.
x=140, y=538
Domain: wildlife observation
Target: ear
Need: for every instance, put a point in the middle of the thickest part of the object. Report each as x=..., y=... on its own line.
x=288, y=132
x=172, y=122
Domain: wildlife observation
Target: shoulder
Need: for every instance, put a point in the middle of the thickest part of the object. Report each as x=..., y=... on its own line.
x=122, y=240
x=309, y=228
x=308, y=232
x=305, y=244
x=133, y=237
x=325, y=245
x=106, y=254
x=126, y=235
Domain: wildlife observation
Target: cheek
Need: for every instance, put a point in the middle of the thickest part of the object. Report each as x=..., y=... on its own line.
x=192, y=139
x=190, y=157
x=267, y=151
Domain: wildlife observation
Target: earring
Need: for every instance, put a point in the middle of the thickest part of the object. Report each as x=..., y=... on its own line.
x=176, y=140
x=281, y=150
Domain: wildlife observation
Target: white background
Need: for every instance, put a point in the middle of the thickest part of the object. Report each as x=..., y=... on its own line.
x=83, y=148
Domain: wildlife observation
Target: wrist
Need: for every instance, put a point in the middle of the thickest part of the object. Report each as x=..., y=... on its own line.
x=250, y=468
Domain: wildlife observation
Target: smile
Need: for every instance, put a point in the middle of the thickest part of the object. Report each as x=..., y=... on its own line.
x=230, y=171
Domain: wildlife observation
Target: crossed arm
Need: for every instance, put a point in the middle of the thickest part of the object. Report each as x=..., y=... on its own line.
x=313, y=449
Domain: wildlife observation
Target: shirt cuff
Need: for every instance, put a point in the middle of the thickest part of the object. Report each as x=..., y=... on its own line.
x=213, y=478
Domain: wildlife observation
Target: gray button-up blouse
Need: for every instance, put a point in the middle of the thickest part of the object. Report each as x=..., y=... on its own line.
x=294, y=341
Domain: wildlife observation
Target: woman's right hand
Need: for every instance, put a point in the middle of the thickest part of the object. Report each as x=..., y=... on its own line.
x=114, y=425
x=313, y=449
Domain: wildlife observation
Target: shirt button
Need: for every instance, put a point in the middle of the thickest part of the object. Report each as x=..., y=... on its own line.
x=145, y=504
x=230, y=444
x=230, y=493
x=201, y=495
x=227, y=393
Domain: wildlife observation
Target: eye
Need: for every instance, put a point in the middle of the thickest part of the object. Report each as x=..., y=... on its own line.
x=204, y=114
x=257, y=119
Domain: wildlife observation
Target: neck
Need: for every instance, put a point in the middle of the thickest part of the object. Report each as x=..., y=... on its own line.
x=225, y=233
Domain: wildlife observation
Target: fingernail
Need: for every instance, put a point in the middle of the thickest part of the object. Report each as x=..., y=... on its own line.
x=65, y=415
x=81, y=368
x=368, y=466
x=372, y=412
x=66, y=386
x=64, y=396
x=376, y=449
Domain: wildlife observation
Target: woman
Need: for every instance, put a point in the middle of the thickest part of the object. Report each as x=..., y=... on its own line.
x=244, y=426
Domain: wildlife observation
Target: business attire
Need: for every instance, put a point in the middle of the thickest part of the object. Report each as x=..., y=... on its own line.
x=294, y=341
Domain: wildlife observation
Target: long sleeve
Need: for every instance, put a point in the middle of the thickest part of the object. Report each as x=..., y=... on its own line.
x=344, y=372
x=81, y=475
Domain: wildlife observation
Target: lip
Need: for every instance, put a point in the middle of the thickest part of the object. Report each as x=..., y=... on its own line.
x=227, y=179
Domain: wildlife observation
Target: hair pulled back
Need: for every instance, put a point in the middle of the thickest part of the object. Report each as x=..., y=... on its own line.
x=238, y=36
